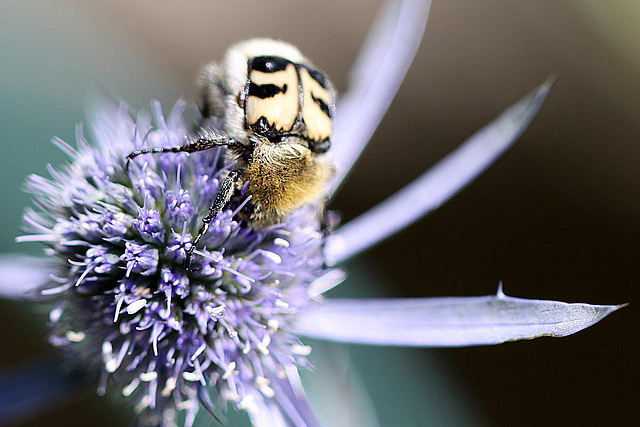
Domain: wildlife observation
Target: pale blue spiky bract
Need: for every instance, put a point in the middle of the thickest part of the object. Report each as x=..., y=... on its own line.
x=127, y=309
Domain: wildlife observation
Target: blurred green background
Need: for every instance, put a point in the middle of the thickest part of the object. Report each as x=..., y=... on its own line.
x=556, y=218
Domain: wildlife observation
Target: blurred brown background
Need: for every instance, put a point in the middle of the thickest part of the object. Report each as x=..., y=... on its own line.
x=555, y=218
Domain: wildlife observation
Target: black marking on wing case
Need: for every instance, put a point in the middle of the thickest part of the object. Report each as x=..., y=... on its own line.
x=268, y=64
x=323, y=105
x=316, y=75
x=266, y=90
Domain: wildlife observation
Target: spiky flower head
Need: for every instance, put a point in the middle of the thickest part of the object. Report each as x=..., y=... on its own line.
x=166, y=338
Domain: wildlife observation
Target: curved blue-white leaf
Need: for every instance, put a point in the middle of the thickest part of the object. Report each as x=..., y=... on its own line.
x=32, y=388
x=445, y=322
x=337, y=388
x=375, y=79
x=288, y=408
x=294, y=404
x=438, y=184
x=267, y=414
x=21, y=276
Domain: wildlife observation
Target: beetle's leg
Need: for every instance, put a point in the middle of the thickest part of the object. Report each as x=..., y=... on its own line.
x=204, y=142
x=326, y=227
x=222, y=198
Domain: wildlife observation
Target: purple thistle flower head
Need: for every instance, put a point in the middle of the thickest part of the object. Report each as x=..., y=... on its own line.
x=161, y=335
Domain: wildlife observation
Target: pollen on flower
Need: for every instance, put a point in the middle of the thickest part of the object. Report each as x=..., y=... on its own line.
x=75, y=336
x=165, y=338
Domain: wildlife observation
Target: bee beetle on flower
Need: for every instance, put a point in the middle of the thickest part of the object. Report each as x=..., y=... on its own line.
x=276, y=110
x=118, y=234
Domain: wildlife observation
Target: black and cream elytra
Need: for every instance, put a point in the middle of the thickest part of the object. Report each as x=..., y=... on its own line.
x=276, y=110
